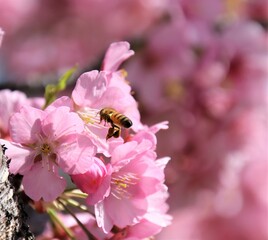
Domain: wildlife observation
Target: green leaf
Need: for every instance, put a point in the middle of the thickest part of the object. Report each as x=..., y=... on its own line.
x=52, y=90
x=64, y=78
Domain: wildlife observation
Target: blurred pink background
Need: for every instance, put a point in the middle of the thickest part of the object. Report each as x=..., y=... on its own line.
x=201, y=65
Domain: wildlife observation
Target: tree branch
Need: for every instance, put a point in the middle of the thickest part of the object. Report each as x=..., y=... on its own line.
x=12, y=216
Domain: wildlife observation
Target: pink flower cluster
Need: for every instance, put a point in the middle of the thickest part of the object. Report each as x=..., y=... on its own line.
x=67, y=32
x=208, y=65
x=122, y=177
x=200, y=65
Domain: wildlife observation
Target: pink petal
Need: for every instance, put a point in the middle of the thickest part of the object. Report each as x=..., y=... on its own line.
x=115, y=98
x=116, y=54
x=40, y=182
x=162, y=125
x=22, y=158
x=150, y=177
x=90, y=181
x=76, y=157
x=10, y=102
x=123, y=151
x=125, y=212
x=130, y=150
x=118, y=79
x=98, y=138
x=60, y=102
x=25, y=126
x=144, y=229
x=141, y=135
x=162, y=162
x=60, y=124
x=159, y=207
x=102, y=192
x=103, y=220
x=89, y=88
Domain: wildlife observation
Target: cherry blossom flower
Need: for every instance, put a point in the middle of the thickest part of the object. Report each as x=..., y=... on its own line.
x=108, y=88
x=96, y=90
x=203, y=67
x=135, y=180
x=42, y=144
x=90, y=181
x=155, y=218
x=62, y=47
x=11, y=102
x=134, y=176
x=116, y=54
x=65, y=138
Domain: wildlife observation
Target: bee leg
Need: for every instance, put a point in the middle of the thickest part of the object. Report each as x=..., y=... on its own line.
x=113, y=132
x=117, y=131
x=114, y=125
x=101, y=118
x=110, y=133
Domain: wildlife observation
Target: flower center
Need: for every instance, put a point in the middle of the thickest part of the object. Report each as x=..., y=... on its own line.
x=45, y=149
x=121, y=184
x=46, y=156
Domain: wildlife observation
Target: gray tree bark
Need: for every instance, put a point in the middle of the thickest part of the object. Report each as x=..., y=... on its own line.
x=12, y=216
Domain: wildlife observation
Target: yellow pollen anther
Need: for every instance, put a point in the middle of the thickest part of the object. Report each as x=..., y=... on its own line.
x=86, y=119
x=121, y=185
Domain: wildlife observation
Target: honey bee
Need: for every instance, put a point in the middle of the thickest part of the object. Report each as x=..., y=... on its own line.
x=116, y=119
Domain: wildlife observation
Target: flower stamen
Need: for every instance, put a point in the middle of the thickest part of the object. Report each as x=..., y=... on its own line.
x=121, y=184
x=90, y=116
